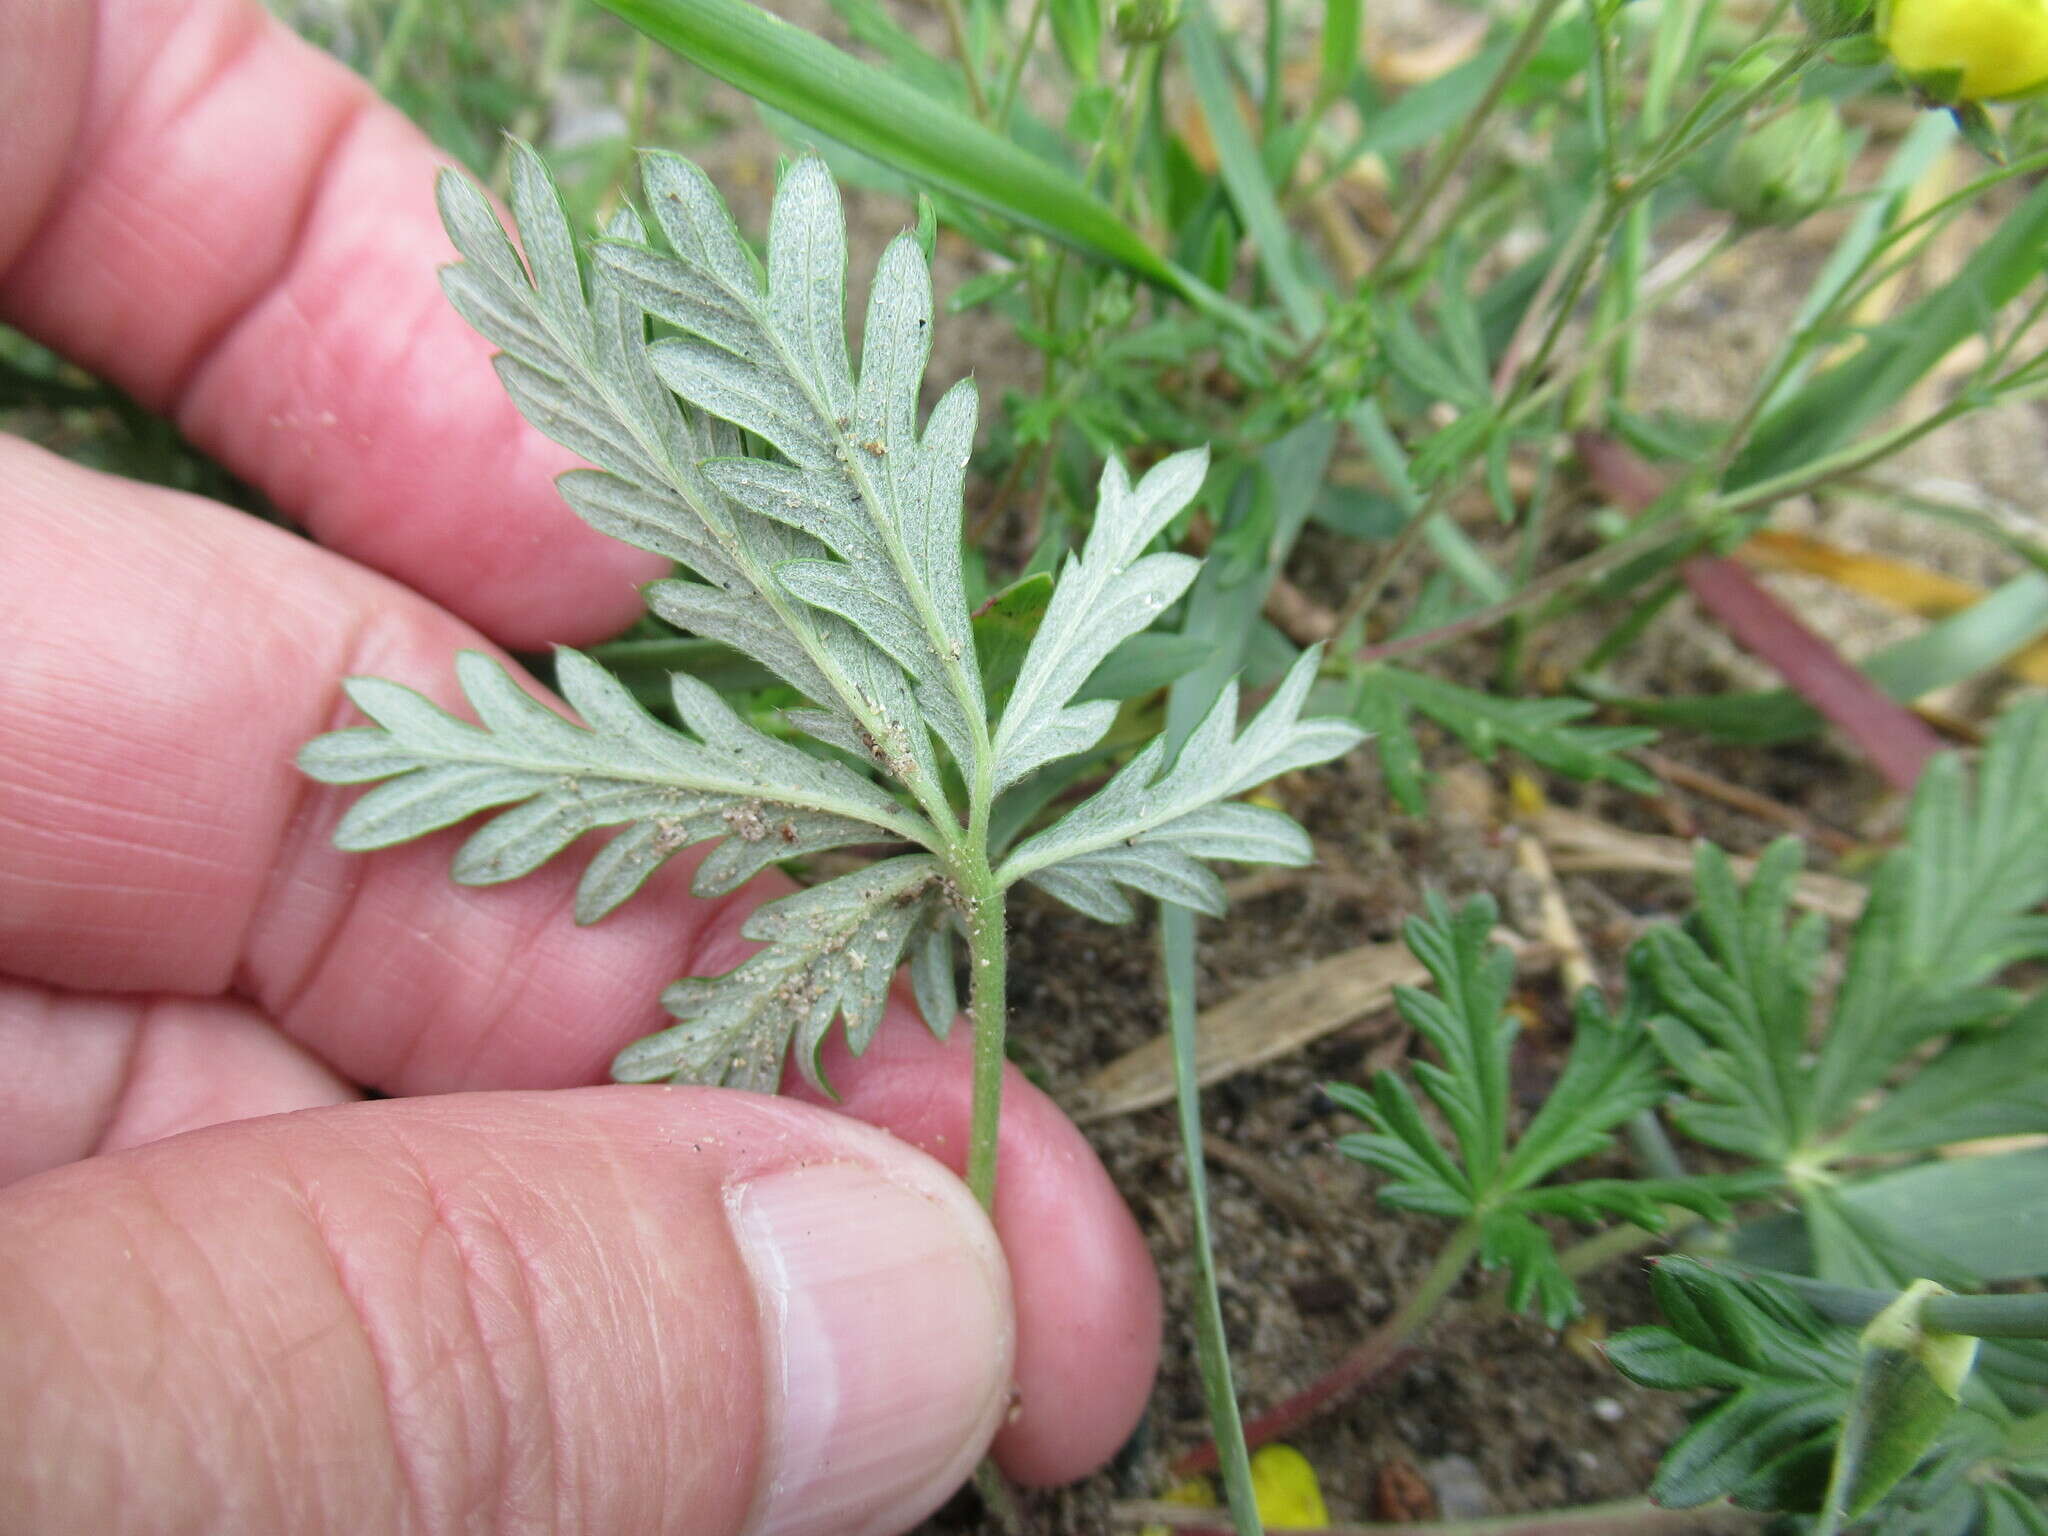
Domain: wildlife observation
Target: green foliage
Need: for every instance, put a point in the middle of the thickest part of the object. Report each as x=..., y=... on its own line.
x=1489, y=1178
x=1782, y=1377
x=869, y=110
x=1783, y=1382
x=1546, y=731
x=830, y=556
x=1877, y=1433
x=1949, y=911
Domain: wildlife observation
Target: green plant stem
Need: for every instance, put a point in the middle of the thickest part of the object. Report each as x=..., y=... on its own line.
x=1364, y=1360
x=1177, y=946
x=1391, y=559
x=1623, y=1517
x=1453, y=154
x=988, y=960
x=1007, y=102
x=397, y=43
x=1692, y=135
x=1846, y=461
x=1543, y=587
x=1624, y=327
x=1603, y=1248
x=956, y=27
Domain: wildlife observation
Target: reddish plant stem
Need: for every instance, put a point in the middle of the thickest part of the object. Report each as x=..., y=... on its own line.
x=1382, y=1352
x=1897, y=741
x=1367, y=1363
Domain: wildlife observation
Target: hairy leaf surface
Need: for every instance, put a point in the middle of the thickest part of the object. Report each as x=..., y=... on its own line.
x=831, y=952
x=881, y=499
x=760, y=799
x=1106, y=594
x=1151, y=825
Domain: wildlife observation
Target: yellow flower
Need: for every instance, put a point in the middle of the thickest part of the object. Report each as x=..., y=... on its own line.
x=1968, y=50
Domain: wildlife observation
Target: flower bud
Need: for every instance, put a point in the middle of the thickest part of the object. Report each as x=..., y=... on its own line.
x=1968, y=50
x=1146, y=21
x=1787, y=168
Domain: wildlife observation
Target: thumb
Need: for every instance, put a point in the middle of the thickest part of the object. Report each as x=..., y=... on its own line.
x=605, y=1310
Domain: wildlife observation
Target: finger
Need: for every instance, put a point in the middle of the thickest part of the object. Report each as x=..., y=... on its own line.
x=81, y=1075
x=166, y=660
x=232, y=227
x=1087, y=1296
x=611, y=1310
x=183, y=853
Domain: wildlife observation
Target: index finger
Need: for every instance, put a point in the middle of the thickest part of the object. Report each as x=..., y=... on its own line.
x=233, y=228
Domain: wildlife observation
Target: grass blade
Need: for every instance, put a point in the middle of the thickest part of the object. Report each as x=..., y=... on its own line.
x=1244, y=173
x=1342, y=22
x=1834, y=406
x=882, y=116
x=1177, y=942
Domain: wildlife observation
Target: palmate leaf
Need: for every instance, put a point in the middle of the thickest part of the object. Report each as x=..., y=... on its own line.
x=1735, y=987
x=831, y=952
x=1784, y=1380
x=1151, y=825
x=761, y=799
x=1611, y=1074
x=1949, y=909
x=1784, y=1375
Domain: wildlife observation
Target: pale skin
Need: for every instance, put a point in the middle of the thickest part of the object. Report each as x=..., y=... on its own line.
x=232, y=1296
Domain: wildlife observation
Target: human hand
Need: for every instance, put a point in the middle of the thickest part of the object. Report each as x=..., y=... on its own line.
x=611, y=1309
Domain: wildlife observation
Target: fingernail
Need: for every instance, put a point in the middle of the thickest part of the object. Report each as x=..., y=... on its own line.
x=886, y=1320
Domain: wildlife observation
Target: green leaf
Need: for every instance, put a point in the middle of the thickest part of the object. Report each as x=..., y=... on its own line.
x=1987, y=1083
x=1077, y=30
x=1984, y=1215
x=1853, y=1245
x=879, y=115
x=1612, y=1074
x=1385, y=716
x=1431, y=110
x=760, y=799
x=1149, y=827
x=1424, y=1177
x=1510, y=1240
x=1948, y=910
x=1342, y=26
x=1733, y=992
x=831, y=951
x=1106, y=594
x=1244, y=173
x=1834, y=406
x=1783, y=1375
x=1546, y=731
x=834, y=562
x=1003, y=627
x=1468, y=1024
